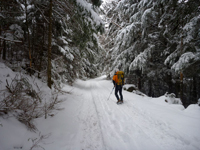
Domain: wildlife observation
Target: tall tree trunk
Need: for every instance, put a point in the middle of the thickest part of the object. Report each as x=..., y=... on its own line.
x=41, y=52
x=29, y=44
x=170, y=84
x=194, y=91
x=0, y=40
x=181, y=78
x=181, y=89
x=150, y=88
x=4, y=50
x=49, y=46
x=139, y=83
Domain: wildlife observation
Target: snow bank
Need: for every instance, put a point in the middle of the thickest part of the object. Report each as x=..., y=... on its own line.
x=192, y=109
x=132, y=88
x=166, y=99
x=169, y=101
x=13, y=133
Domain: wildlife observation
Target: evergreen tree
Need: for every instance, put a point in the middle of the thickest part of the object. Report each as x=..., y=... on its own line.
x=10, y=30
x=74, y=49
x=152, y=42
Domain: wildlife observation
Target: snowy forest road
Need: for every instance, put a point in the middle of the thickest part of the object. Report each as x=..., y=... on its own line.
x=138, y=124
x=89, y=121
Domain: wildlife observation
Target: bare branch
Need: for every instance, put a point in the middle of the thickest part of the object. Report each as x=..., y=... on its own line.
x=42, y=14
x=116, y=24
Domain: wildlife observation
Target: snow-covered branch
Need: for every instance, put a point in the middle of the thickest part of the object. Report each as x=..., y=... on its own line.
x=15, y=41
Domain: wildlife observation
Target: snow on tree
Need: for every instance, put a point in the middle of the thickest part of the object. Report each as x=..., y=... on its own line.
x=75, y=48
x=186, y=60
x=144, y=39
x=142, y=60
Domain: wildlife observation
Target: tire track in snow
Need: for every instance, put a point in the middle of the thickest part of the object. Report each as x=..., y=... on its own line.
x=109, y=122
x=99, y=123
x=90, y=134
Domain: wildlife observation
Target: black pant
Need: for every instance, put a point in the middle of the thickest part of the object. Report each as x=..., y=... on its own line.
x=118, y=88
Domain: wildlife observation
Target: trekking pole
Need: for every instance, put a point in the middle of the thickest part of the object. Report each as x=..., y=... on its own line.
x=110, y=93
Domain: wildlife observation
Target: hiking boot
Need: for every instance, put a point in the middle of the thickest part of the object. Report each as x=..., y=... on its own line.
x=118, y=101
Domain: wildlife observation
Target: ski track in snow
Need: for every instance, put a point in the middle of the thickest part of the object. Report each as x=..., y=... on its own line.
x=108, y=126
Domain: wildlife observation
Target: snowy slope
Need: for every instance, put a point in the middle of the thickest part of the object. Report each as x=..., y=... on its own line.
x=92, y=122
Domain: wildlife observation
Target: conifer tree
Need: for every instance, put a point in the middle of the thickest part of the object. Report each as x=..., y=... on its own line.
x=144, y=39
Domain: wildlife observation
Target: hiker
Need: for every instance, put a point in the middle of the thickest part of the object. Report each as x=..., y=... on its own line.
x=118, y=81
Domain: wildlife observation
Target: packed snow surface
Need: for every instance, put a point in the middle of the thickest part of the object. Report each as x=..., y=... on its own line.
x=91, y=121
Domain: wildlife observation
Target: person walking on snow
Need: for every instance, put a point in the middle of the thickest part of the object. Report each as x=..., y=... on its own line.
x=118, y=81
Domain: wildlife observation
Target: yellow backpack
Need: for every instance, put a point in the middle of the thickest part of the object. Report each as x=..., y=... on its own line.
x=120, y=76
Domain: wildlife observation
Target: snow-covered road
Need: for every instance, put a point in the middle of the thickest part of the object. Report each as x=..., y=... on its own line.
x=140, y=123
x=89, y=121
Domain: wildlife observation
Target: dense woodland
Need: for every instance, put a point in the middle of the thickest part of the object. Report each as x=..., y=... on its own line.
x=54, y=36
x=156, y=43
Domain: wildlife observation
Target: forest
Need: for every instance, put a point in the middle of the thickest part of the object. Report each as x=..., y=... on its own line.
x=36, y=33
x=156, y=43
x=57, y=61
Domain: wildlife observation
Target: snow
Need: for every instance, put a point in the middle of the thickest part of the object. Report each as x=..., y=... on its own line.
x=184, y=61
x=189, y=29
x=89, y=121
x=1, y=15
x=18, y=32
x=141, y=60
x=88, y=7
x=144, y=16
